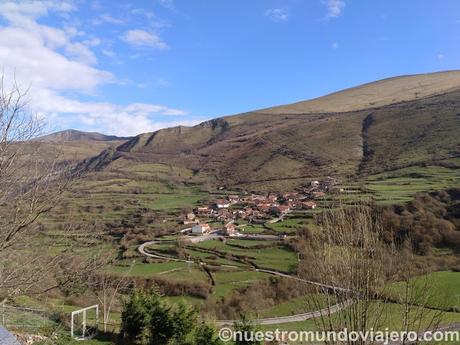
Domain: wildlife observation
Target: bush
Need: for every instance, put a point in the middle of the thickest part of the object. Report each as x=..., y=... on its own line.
x=147, y=320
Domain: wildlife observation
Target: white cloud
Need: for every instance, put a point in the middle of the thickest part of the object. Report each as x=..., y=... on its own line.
x=167, y=4
x=15, y=10
x=141, y=38
x=36, y=61
x=335, y=45
x=334, y=7
x=59, y=66
x=107, y=18
x=441, y=56
x=141, y=11
x=93, y=42
x=124, y=120
x=277, y=14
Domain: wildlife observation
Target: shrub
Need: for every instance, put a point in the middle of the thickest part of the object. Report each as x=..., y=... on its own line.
x=147, y=320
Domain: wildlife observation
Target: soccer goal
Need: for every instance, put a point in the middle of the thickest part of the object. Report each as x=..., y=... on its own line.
x=84, y=323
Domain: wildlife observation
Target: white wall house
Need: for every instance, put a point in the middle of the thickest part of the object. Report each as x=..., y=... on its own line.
x=222, y=204
x=201, y=229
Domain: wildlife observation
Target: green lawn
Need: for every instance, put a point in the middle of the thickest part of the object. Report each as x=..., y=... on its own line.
x=278, y=258
x=297, y=305
x=443, y=289
x=145, y=270
x=399, y=186
x=227, y=281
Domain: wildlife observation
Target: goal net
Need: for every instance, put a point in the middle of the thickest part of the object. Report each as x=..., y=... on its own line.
x=84, y=323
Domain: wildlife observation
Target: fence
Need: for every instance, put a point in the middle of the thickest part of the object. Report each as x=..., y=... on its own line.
x=21, y=318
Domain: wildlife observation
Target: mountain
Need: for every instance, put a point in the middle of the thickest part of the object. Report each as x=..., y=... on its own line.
x=376, y=94
x=380, y=126
x=74, y=146
x=74, y=135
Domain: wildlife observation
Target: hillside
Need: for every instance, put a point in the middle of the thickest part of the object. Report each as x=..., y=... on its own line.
x=74, y=135
x=73, y=145
x=267, y=148
x=376, y=94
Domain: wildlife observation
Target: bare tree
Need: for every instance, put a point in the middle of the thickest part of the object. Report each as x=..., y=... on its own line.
x=108, y=286
x=30, y=185
x=357, y=267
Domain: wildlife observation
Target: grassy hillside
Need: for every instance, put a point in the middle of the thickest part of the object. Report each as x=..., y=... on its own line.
x=376, y=94
x=260, y=151
x=72, y=145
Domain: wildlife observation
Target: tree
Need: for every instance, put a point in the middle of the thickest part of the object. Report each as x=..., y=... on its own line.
x=135, y=317
x=30, y=186
x=107, y=287
x=184, y=322
x=206, y=334
x=146, y=319
x=357, y=267
x=244, y=329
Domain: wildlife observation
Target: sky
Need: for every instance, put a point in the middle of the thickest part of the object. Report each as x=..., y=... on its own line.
x=129, y=67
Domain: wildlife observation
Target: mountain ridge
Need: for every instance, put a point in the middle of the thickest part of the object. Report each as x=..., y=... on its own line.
x=254, y=148
x=376, y=93
x=69, y=135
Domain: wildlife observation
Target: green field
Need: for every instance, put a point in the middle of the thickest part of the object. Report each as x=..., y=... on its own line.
x=399, y=186
x=437, y=290
x=277, y=257
x=297, y=305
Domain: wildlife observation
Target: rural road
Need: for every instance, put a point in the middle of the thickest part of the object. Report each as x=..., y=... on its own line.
x=293, y=318
x=265, y=321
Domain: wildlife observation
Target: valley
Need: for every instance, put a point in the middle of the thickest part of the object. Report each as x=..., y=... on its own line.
x=224, y=216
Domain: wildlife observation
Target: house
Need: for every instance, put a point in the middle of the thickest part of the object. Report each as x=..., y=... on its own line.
x=309, y=205
x=272, y=197
x=224, y=215
x=230, y=229
x=233, y=198
x=264, y=207
x=190, y=218
x=318, y=195
x=222, y=203
x=314, y=183
x=204, y=211
x=280, y=210
x=201, y=229
x=188, y=222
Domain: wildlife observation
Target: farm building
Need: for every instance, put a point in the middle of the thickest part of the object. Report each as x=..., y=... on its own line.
x=222, y=204
x=201, y=229
x=230, y=229
x=309, y=205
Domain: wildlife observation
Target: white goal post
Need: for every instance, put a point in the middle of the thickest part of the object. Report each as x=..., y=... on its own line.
x=87, y=331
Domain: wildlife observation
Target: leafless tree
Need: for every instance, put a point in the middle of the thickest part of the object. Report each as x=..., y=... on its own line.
x=358, y=268
x=108, y=286
x=30, y=185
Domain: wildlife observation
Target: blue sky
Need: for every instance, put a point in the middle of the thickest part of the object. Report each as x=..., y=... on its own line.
x=126, y=67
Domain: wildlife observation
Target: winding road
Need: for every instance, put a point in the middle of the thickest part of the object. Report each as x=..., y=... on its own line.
x=264, y=321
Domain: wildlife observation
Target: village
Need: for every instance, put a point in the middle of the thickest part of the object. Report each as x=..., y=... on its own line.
x=254, y=208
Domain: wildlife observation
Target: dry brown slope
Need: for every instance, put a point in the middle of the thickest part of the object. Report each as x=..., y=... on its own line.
x=260, y=149
x=375, y=94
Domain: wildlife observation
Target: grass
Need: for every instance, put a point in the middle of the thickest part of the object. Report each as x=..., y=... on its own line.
x=400, y=186
x=278, y=258
x=227, y=281
x=289, y=225
x=391, y=319
x=297, y=305
x=146, y=270
x=252, y=229
x=444, y=289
